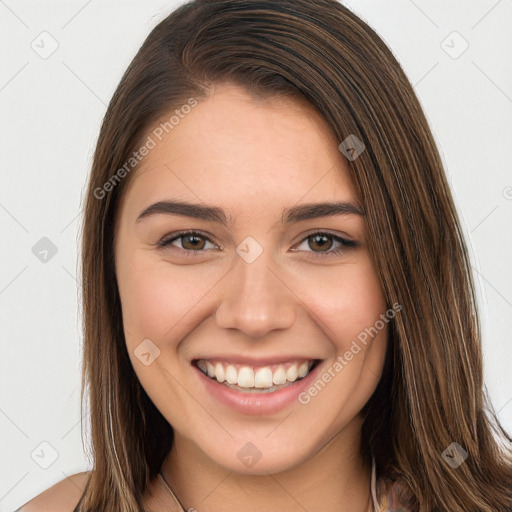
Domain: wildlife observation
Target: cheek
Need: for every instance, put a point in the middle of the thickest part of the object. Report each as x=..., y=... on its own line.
x=158, y=298
x=347, y=300
x=161, y=301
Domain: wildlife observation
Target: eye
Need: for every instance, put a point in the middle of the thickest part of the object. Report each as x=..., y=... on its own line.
x=320, y=240
x=192, y=243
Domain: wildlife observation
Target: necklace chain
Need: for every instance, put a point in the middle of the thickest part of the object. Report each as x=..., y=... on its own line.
x=182, y=509
x=170, y=491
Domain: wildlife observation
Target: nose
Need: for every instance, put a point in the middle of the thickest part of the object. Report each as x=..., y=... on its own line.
x=256, y=299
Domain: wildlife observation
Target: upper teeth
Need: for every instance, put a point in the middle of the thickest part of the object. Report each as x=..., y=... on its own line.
x=255, y=377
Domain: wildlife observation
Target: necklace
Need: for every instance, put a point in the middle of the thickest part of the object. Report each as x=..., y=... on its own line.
x=170, y=491
x=368, y=503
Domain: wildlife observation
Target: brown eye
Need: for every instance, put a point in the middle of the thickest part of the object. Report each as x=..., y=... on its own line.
x=321, y=243
x=191, y=242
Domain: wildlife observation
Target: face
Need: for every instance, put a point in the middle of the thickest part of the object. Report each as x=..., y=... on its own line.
x=279, y=303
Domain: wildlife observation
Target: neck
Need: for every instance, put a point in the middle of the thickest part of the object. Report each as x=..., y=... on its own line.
x=334, y=478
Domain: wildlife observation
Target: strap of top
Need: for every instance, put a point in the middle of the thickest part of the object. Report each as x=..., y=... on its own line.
x=373, y=489
x=386, y=494
x=382, y=494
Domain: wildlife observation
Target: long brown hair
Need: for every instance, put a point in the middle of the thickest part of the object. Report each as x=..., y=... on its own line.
x=431, y=393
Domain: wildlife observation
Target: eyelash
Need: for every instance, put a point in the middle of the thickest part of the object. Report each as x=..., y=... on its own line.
x=166, y=242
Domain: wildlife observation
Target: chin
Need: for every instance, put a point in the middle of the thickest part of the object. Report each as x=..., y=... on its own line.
x=259, y=456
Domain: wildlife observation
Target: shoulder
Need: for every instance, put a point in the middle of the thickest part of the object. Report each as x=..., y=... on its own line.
x=61, y=497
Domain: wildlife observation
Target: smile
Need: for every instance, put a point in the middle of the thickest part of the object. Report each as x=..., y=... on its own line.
x=248, y=378
x=252, y=387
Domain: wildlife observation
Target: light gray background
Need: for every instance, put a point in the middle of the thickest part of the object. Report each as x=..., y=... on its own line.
x=51, y=109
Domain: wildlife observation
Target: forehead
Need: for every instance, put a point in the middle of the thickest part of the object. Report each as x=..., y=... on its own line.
x=235, y=150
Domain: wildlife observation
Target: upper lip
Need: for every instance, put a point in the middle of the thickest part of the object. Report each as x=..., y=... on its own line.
x=252, y=361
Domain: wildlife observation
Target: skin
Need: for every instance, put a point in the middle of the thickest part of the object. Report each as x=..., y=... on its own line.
x=253, y=158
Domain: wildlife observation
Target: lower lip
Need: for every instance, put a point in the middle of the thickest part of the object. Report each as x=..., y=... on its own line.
x=257, y=403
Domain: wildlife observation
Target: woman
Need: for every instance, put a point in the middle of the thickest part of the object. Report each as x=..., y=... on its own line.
x=278, y=305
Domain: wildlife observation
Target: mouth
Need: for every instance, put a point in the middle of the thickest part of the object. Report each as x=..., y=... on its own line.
x=256, y=378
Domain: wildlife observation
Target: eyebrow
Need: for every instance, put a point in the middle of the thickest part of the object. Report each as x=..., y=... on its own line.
x=217, y=214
